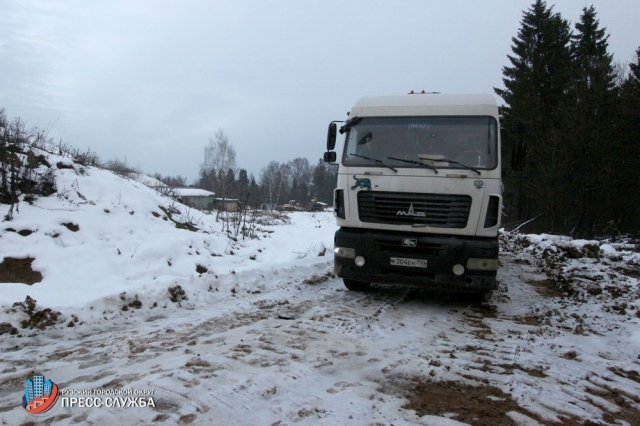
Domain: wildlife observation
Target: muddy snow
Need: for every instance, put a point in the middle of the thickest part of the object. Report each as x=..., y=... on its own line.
x=245, y=323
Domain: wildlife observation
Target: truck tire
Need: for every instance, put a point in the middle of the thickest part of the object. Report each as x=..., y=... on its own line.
x=355, y=285
x=483, y=297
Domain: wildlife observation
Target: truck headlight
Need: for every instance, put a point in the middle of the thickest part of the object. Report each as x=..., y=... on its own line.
x=482, y=264
x=348, y=253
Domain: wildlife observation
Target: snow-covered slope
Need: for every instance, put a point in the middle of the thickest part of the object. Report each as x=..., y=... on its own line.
x=101, y=235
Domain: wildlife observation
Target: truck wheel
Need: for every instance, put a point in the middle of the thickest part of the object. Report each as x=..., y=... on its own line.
x=483, y=297
x=355, y=285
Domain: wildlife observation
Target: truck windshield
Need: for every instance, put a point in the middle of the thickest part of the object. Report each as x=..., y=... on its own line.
x=438, y=142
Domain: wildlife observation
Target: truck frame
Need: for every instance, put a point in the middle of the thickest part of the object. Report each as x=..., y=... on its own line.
x=419, y=192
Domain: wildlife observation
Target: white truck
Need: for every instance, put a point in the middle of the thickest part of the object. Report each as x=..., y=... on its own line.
x=419, y=192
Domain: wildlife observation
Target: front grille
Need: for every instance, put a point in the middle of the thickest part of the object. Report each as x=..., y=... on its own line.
x=395, y=246
x=437, y=210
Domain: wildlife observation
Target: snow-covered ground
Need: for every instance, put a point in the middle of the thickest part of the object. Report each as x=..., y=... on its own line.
x=141, y=293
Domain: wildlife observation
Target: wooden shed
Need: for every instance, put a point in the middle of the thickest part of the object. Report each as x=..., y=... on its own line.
x=200, y=199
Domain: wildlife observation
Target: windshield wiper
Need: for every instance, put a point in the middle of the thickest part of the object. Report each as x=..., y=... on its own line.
x=473, y=169
x=446, y=160
x=376, y=160
x=415, y=162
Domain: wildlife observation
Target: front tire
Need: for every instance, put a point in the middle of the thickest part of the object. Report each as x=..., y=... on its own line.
x=483, y=297
x=355, y=285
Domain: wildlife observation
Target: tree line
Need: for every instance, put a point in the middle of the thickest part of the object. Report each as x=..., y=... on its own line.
x=577, y=152
x=277, y=183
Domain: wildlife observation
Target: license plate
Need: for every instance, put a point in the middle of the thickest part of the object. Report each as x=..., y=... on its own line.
x=413, y=263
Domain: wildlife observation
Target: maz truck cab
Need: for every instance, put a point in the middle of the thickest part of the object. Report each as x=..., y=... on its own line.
x=419, y=192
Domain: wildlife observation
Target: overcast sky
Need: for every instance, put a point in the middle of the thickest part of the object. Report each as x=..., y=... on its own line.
x=152, y=81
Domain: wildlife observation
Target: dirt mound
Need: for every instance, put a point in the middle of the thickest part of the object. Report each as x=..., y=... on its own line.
x=18, y=271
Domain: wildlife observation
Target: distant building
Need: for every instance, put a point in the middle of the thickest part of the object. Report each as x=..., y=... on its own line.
x=196, y=198
x=227, y=204
x=200, y=199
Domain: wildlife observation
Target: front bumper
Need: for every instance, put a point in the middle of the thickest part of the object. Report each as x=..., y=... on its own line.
x=441, y=254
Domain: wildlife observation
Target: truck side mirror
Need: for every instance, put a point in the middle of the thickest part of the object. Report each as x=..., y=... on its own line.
x=331, y=136
x=330, y=157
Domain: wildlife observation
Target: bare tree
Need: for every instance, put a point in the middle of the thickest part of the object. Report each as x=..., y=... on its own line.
x=621, y=73
x=300, y=178
x=120, y=167
x=271, y=179
x=219, y=158
x=217, y=172
x=172, y=181
x=300, y=170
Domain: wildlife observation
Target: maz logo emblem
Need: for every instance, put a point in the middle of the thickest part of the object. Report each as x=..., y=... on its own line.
x=409, y=242
x=410, y=212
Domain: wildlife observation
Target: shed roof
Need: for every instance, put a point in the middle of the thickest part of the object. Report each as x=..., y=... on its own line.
x=193, y=192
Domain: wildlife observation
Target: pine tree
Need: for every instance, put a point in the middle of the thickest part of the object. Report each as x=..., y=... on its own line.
x=536, y=87
x=255, y=195
x=593, y=63
x=324, y=181
x=242, y=186
x=634, y=70
x=628, y=151
x=591, y=173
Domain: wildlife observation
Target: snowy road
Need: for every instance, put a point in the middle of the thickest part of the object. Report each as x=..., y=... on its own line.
x=278, y=348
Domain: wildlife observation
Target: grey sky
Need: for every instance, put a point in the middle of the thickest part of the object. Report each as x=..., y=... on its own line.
x=153, y=80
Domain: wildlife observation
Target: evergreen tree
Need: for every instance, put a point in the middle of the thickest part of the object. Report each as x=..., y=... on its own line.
x=302, y=195
x=242, y=186
x=229, y=186
x=634, y=70
x=325, y=179
x=591, y=172
x=536, y=87
x=293, y=192
x=593, y=63
x=628, y=150
x=255, y=196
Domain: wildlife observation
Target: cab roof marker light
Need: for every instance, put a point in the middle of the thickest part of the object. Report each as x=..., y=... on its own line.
x=422, y=92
